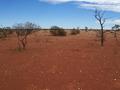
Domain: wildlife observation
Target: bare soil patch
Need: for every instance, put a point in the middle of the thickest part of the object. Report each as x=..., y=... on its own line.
x=60, y=63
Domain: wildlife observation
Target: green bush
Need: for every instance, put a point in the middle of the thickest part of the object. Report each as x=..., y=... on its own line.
x=57, y=31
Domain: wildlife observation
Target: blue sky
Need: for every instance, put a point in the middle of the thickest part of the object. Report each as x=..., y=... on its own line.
x=63, y=13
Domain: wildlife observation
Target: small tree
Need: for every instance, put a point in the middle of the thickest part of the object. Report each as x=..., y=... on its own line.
x=86, y=29
x=115, y=28
x=99, y=15
x=22, y=32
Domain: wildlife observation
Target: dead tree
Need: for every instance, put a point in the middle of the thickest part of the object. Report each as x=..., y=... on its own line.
x=99, y=15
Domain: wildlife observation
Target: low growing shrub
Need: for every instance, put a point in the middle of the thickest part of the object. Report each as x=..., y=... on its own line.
x=57, y=31
x=4, y=32
x=75, y=32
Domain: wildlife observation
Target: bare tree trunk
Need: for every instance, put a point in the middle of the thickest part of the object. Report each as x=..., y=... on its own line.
x=102, y=36
x=19, y=43
x=115, y=34
x=24, y=42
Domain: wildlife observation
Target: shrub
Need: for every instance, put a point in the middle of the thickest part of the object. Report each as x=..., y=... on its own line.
x=9, y=32
x=57, y=31
x=2, y=35
x=5, y=31
x=22, y=35
x=23, y=30
x=75, y=31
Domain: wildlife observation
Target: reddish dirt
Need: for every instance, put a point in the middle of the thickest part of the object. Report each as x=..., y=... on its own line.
x=60, y=63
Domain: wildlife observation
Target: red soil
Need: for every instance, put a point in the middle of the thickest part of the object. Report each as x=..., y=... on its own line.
x=60, y=63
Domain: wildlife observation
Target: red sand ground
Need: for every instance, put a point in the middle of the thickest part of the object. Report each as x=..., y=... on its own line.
x=60, y=63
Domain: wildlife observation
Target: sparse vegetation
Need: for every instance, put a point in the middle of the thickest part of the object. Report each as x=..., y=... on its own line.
x=57, y=31
x=75, y=31
x=22, y=32
x=5, y=31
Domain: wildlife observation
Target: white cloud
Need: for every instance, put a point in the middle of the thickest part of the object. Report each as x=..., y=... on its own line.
x=116, y=21
x=108, y=5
